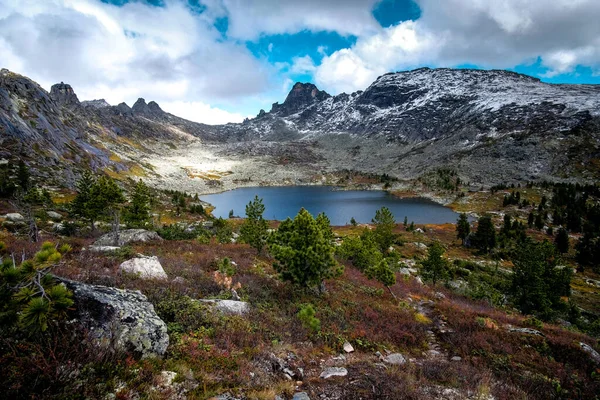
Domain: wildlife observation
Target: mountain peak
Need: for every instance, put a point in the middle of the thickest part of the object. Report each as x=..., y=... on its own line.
x=63, y=94
x=99, y=103
x=301, y=96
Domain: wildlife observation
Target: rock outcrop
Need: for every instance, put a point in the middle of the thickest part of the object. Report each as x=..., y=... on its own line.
x=228, y=306
x=144, y=267
x=121, y=320
x=127, y=236
x=64, y=95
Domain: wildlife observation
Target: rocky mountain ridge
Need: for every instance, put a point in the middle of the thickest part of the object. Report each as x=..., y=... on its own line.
x=489, y=126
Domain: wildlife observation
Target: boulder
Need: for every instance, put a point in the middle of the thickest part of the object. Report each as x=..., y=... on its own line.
x=144, y=267
x=301, y=396
x=123, y=320
x=395, y=359
x=14, y=217
x=228, y=306
x=348, y=347
x=103, y=249
x=127, y=236
x=527, y=331
x=591, y=352
x=53, y=215
x=333, y=371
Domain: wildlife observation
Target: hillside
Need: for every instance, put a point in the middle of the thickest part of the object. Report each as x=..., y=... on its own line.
x=489, y=126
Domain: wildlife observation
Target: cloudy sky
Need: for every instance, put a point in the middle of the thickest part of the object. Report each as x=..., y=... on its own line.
x=217, y=61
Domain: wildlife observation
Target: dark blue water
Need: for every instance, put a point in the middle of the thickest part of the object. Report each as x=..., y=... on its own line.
x=339, y=205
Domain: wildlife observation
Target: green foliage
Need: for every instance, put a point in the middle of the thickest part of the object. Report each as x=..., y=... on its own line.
x=304, y=251
x=363, y=251
x=225, y=266
x=435, y=267
x=23, y=177
x=382, y=273
x=588, y=251
x=137, y=213
x=95, y=197
x=463, y=228
x=223, y=230
x=384, y=225
x=485, y=236
x=537, y=283
x=306, y=315
x=353, y=222
x=30, y=298
x=562, y=241
x=254, y=229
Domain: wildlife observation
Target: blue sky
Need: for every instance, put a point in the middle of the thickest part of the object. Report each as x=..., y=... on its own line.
x=216, y=61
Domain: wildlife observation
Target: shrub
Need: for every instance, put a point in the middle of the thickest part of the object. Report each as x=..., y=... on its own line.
x=306, y=315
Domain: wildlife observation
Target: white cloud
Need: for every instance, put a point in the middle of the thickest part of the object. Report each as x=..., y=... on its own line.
x=249, y=20
x=491, y=34
x=122, y=53
x=201, y=112
x=302, y=65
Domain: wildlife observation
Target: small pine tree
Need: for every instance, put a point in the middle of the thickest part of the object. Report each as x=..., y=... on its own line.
x=30, y=298
x=96, y=198
x=304, y=253
x=562, y=241
x=254, y=229
x=23, y=176
x=137, y=213
x=485, y=236
x=435, y=267
x=537, y=284
x=463, y=228
x=353, y=221
x=382, y=272
x=384, y=225
x=79, y=205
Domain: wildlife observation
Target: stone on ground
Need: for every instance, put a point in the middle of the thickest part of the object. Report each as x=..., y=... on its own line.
x=144, y=267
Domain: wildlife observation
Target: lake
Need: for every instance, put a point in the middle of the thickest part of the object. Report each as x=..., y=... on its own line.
x=339, y=205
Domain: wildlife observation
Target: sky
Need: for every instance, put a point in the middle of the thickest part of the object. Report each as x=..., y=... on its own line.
x=219, y=61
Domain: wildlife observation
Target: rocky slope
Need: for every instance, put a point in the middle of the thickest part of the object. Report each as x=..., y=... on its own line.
x=58, y=135
x=490, y=126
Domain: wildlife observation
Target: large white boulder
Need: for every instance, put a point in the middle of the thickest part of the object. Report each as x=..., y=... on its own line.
x=144, y=267
x=14, y=217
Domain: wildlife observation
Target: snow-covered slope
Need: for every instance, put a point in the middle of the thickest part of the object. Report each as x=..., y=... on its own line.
x=429, y=104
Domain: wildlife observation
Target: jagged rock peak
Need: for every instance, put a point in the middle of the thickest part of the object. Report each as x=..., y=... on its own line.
x=301, y=95
x=141, y=107
x=63, y=94
x=123, y=108
x=99, y=103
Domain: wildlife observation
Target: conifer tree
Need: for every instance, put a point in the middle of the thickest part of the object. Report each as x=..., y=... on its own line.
x=537, y=284
x=254, y=229
x=562, y=241
x=384, y=225
x=137, y=213
x=485, y=236
x=304, y=253
x=435, y=267
x=463, y=228
x=382, y=272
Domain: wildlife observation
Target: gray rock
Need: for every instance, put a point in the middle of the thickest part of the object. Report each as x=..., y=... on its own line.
x=228, y=306
x=404, y=271
x=301, y=396
x=119, y=319
x=333, y=371
x=456, y=358
x=527, y=331
x=591, y=352
x=14, y=217
x=439, y=295
x=127, y=236
x=348, y=347
x=395, y=359
x=53, y=215
x=103, y=249
x=419, y=280
x=144, y=267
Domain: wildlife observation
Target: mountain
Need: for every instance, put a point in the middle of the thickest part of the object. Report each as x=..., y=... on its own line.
x=58, y=135
x=489, y=126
